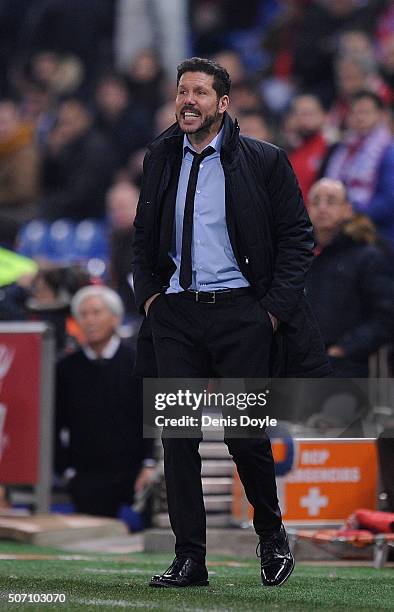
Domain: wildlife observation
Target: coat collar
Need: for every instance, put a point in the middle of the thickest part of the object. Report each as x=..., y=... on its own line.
x=172, y=138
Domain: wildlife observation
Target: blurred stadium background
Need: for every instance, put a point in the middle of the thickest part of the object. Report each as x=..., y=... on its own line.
x=84, y=86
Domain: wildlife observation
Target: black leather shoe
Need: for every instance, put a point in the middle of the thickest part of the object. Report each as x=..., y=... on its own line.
x=277, y=562
x=183, y=572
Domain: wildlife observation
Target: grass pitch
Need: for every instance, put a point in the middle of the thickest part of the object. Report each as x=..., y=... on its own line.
x=111, y=582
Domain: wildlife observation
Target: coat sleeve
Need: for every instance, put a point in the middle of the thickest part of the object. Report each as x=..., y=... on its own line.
x=61, y=452
x=145, y=284
x=293, y=238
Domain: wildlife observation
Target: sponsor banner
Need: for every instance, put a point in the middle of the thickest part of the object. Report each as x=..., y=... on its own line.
x=20, y=372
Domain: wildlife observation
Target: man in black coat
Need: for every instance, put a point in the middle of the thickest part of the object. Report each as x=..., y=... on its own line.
x=98, y=403
x=349, y=284
x=222, y=291
x=77, y=167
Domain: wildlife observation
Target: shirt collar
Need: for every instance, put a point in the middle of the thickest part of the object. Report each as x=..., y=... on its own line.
x=216, y=142
x=108, y=352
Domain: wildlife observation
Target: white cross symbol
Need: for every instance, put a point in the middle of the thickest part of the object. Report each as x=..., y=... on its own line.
x=314, y=501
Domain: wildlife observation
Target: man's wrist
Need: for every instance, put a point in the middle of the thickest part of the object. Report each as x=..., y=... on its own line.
x=149, y=301
x=274, y=320
x=149, y=463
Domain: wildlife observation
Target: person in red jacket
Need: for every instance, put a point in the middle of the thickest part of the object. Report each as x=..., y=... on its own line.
x=310, y=141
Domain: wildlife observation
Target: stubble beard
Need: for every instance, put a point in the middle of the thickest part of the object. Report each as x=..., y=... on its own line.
x=200, y=133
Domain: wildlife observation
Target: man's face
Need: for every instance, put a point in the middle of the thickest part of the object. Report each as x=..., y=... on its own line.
x=9, y=120
x=308, y=116
x=255, y=127
x=328, y=207
x=122, y=206
x=96, y=320
x=72, y=121
x=197, y=106
x=364, y=116
x=350, y=77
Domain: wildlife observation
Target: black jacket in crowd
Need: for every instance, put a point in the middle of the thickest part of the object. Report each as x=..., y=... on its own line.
x=351, y=291
x=76, y=179
x=100, y=404
x=269, y=230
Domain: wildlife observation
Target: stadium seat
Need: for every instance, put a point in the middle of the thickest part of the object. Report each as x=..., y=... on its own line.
x=67, y=242
x=90, y=240
x=61, y=241
x=32, y=239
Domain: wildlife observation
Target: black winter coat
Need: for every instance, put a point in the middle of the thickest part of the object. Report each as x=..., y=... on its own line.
x=351, y=292
x=269, y=230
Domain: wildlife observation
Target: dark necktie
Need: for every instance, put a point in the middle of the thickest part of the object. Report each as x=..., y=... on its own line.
x=185, y=274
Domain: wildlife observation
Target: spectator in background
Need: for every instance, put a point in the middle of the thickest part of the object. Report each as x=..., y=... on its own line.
x=352, y=76
x=19, y=172
x=253, y=124
x=164, y=117
x=99, y=404
x=44, y=296
x=387, y=65
x=125, y=125
x=308, y=129
x=349, y=285
x=38, y=106
x=62, y=74
x=357, y=44
x=231, y=61
x=146, y=80
x=280, y=37
x=80, y=28
x=245, y=97
x=364, y=162
x=317, y=41
x=122, y=201
x=77, y=167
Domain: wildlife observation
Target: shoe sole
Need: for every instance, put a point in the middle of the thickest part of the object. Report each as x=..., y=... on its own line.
x=157, y=585
x=284, y=579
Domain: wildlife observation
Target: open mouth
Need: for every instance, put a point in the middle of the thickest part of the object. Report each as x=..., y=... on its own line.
x=190, y=114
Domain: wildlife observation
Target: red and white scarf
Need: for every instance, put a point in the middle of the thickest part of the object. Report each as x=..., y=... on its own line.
x=356, y=162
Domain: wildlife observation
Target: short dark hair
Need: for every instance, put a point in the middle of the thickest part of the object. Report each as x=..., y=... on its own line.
x=369, y=95
x=221, y=78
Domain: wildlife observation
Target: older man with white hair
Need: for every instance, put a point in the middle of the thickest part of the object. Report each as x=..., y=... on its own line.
x=99, y=404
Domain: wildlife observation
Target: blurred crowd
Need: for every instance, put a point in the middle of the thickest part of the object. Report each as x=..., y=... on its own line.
x=85, y=85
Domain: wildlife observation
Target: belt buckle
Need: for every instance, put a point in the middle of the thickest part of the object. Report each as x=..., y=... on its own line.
x=210, y=297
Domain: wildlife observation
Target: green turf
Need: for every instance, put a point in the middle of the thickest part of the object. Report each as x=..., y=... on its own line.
x=110, y=582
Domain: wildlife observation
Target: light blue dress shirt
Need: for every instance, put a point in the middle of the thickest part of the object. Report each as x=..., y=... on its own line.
x=214, y=266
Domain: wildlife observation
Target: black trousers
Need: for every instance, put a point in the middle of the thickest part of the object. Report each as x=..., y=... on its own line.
x=229, y=339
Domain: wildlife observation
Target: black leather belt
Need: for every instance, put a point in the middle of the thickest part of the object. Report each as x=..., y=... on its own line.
x=211, y=297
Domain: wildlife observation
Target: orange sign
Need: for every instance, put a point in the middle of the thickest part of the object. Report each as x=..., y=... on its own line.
x=327, y=481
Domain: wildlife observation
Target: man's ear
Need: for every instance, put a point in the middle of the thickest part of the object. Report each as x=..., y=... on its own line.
x=224, y=102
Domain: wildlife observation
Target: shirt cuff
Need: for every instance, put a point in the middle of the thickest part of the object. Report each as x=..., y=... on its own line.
x=149, y=463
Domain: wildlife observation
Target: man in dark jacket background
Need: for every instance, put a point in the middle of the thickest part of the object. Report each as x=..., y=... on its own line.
x=222, y=247
x=349, y=284
x=77, y=167
x=98, y=405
